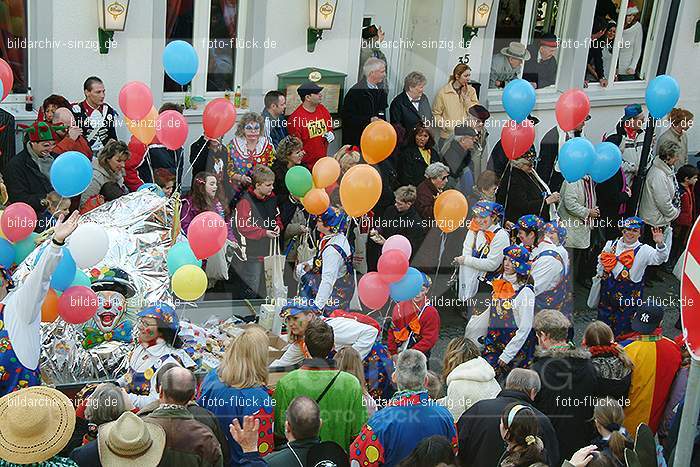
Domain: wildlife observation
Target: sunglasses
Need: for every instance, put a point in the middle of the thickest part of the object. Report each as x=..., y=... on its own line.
x=252, y=126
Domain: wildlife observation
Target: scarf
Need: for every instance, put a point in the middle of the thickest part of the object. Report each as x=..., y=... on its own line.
x=44, y=163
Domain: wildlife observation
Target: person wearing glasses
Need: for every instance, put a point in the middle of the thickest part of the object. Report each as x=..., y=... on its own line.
x=436, y=176
x=247, y=149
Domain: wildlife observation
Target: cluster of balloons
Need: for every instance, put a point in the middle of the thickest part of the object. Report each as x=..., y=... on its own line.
x=70, y=295
x=206, y=235
x=393, y=278
x=313, y=187
x=518, y=135
x=17, y=224
x=578, y=158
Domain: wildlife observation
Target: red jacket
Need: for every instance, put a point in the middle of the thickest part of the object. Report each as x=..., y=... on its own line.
x=66, y=144
x=426, y=329
x=309, y=128
x=687, y=216
x=131, y=177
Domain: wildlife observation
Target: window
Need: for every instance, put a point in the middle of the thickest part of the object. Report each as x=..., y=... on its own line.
x=13, y=32
x=212, y=29
x=525, y=43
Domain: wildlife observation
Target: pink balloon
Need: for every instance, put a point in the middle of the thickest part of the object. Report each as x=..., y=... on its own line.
x=392, y=266
x=18, y=221
x=171, y=129
x=207, y=234
x=7, y=77
x=77, y=304
x=218, y=118
x=398, y=242
x=135, y=100
x=572, y=108
x=517, y=138
x=373, y=291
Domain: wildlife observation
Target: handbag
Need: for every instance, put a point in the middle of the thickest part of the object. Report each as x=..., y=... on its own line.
x=307, y=248
x=274, y=272
x=217, y=265
x=594, y=294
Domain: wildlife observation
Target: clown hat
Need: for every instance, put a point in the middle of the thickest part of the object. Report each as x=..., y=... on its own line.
x=530, y=222
x=487, y=208
x=520, y=258
x=41, y=131
x=632, y=223
x=114, y=279
x=162, y=312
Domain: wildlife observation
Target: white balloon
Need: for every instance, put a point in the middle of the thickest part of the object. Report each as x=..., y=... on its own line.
x=88, y=244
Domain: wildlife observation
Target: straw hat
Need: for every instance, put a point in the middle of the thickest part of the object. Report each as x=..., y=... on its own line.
x=35, y=424
x=516, y=50
x=129, y=441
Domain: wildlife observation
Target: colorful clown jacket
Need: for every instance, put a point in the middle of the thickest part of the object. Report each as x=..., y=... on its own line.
x=393, y=432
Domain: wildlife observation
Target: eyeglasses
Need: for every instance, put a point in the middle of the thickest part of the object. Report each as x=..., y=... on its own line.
x=252, y=126
x=445, y=177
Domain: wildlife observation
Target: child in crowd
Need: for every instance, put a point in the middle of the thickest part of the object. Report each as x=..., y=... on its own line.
x=519, y=429
x=111, y=191
x=258, y=223
x=54, y=205
x=485, y=188
x=433, y=385
x=165, y=180
x=608, y=418
x=687, y=176
x=348, y=359
x=415, y=323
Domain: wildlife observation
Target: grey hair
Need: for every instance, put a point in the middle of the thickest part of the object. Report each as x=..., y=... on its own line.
x=520, y=379
x=372, y=64
x=411, y=370
x=413, y=79
x=435, y=169
x=105, y=404
x=249, y=118
x=668, y=149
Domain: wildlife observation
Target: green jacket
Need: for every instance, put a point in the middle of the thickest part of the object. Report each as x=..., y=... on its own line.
x=342, y=411
x=188, y=443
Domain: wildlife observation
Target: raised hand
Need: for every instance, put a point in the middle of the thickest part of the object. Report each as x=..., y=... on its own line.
x=246, y=436
x=64, y=228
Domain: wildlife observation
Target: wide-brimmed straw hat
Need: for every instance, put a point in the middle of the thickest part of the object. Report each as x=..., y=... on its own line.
x=130, y=441
x=516, y=50
x=36, y=423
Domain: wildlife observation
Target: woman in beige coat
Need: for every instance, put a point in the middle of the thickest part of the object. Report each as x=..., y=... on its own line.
x=577, y=212
x=452, y=102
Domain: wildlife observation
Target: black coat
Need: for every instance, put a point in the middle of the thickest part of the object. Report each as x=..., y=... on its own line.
x=569, y=385
x=7, y=138
x=407, y=223
x=480, y=442
x=549, y=153
x=403, y=113
x=359, y=106
x=25, y=182
x=525, y=196
x=543, y=73
x=411, y=165
x=159, y=157
x=87, y=456
x=498, y=162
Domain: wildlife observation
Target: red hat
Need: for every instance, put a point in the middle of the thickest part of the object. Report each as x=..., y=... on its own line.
x=632, y=9
x=41, y=131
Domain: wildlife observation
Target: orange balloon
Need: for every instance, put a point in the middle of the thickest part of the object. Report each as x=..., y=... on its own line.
x=378, y=141
x=145, y=129
x=360, y=189
x=450, y=210
x=49, y=309
x=316, y=201
x=325, y=172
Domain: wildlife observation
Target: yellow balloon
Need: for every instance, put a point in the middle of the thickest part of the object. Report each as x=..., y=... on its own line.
x=189, y=282
x=2, y=234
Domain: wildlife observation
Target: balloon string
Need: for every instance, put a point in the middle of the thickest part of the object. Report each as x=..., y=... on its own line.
x=189, y=169
x=443, y=237
x=510, y=177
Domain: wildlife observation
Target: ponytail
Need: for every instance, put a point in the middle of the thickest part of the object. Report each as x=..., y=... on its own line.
x=617, y=442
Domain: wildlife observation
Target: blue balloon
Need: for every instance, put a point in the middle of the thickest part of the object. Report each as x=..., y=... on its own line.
x=153, y=188
x=24, y=247
x=7, y=254
x=575, y=158
x=606, y=163
x=179, y=255
x=180, y=61
x=519, y=99
x=662, y=95
x=71, y=173
x=408, y=287
x=64, y=274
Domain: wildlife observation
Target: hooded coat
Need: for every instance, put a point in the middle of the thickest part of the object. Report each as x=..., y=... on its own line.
x=467, y=384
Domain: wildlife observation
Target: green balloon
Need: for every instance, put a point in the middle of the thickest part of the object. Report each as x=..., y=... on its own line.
x=24, y=247
x=179, y=255
x=81, y=279
x=298, y=180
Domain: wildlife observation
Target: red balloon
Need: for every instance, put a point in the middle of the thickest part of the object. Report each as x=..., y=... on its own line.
x=572, y=108
x=517, y=138
x=373, y=291
x=135, y=100
x=171, y=129
x=7, y=78
x=392, y=266
x=207, y=234
x=18, y=221
x=218, y=118
x=77, y=304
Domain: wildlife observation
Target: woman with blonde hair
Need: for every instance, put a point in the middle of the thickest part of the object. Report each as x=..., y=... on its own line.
x=348, y=359
x=608, y=417
x=108, y=166
x=612, y=365
x=238, y=388
x=468, y=376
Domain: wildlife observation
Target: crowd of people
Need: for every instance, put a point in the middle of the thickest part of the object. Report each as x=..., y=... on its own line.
x=515, y=390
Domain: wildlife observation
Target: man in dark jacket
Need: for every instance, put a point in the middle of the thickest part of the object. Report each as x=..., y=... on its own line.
x=27, y=174
x=97, y=119
x=159, y=157
x=480, y=442
x=569, y=382
x=541, y=69
x=411, y=107
x=188, y=442
x=498, y=162
x=456, y=154
x=365, y=102
x=546, y=165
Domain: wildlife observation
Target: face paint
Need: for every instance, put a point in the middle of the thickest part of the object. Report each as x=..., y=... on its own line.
x=110, y=310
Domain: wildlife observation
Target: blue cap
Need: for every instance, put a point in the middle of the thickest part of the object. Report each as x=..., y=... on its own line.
x=426, y=280
x=520, y=258
x=295, y=307
x=632, y=111
x=334, y=219
x=632, y=223
x=530, y=222
x=487, y=208
x=162, y=312
x=554, y=228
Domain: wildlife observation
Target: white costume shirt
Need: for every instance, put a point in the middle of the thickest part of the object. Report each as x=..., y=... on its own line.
x=646, y=256
x=523, y=312
x=333, y=267
x=474, y=268
x=142, y=358
x=546, y=270
x=23, y=308
x=347, y=333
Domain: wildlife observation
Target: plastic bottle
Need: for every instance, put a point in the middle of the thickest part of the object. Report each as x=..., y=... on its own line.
x=29, y=100
x=237, y=97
